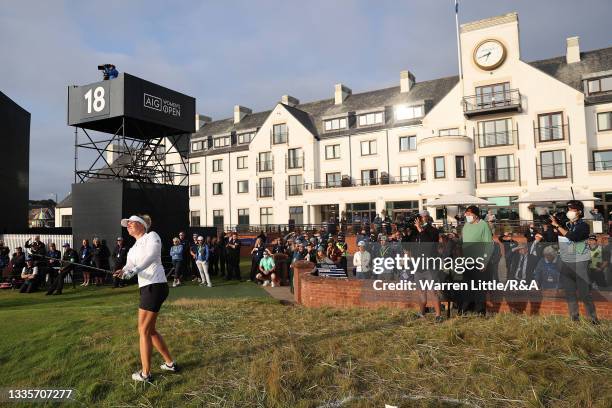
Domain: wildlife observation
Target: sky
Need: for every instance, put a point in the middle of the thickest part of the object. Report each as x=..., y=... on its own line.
x=250, y=53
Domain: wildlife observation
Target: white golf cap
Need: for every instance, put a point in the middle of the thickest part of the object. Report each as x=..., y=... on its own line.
x=361, y=243
x=124, y=222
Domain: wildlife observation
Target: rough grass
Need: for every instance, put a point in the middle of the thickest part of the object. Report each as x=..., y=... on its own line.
x=254, y=352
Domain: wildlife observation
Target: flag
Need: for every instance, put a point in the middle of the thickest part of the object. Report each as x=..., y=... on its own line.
x=456, y=6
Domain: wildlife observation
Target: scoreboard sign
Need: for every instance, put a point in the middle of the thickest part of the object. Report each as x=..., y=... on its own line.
x=102, y=105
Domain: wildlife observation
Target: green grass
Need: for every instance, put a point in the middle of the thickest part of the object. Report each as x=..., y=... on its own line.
x=252, y=351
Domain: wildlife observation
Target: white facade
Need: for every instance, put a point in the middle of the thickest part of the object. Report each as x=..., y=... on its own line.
x=532, y=131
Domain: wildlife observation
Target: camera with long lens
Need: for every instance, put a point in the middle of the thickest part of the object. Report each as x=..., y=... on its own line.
x=106, y=68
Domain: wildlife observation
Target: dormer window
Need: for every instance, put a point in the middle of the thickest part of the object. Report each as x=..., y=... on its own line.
x=197, y=146
x=599, y=85
x=223, y=141
x=244, y=138
x=405, y=112
x=368, y=119
x=335, y=124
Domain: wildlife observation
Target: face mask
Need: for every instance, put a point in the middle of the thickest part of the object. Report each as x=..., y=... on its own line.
x=469, y=218
x=571, y=215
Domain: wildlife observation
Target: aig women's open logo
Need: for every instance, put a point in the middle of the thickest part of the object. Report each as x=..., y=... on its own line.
x=162, y=105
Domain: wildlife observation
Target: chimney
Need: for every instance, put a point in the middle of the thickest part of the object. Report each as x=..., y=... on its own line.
x=573, y=50
x=406, y=81
x=201, y=120
x=342, y=92
x=240, y=112
x=289, y=100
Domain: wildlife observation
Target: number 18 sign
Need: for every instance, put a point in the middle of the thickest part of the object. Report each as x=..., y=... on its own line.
x=95, y=100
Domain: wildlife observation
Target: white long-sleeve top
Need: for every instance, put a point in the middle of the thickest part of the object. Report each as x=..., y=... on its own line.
x=145, y=259
x=361, y=261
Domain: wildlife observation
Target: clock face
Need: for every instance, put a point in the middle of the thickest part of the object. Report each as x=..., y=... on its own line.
x=489, y=54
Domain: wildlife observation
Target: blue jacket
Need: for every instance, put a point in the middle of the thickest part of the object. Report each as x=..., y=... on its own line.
x=202, y=253
x=176, y=252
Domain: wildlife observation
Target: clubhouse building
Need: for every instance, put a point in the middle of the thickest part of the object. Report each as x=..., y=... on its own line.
x=508, y=128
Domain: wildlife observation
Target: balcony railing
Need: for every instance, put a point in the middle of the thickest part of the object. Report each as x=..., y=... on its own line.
x=492, y=139
x=296, y=162
x=264, y=165
x=279, y=137
x=551, y=133
x=492, y=102
x=554, y=171
x=265, y=191
x=349, y=182
x=497, y=175
x=601, y=165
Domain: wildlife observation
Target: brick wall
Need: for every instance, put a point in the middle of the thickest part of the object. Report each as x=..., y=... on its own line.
x=315, y=291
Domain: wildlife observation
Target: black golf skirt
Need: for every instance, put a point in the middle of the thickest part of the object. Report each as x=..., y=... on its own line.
x=153, y=296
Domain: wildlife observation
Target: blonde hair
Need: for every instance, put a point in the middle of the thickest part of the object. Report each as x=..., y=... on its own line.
x=147, y=220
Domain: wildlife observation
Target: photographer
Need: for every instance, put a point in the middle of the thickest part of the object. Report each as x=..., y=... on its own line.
x=69, y=260
x=575, y=256
x=37, y=250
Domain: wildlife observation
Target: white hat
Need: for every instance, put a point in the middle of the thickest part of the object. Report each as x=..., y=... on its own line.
x=361, y=243
x=124, y=222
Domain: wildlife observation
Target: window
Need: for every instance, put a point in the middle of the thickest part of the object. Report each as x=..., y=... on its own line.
x=196, y=146
x=335, y=124
x=449, y=132
x=295, y=185
x=333, y=180
x=439, y=169
x=493, y=95
x=407, y=143
x=244, y=138
x=217, y=188
x=602, y=160
x=332, y=151
x=243, y=186
x=459, y=167
x=279, y=133
x=604, y=121
x=423, y=170
x=217, y=165
x=195, y=218
x=495, y=133
x=297, y=215
x=243, y=216
x=403, y=112
x=497, y=168
x=408, y=174
x=553, y=164
x=242, y=162
x=368, y=119
x=265, y=215
x=265, y=161
x=169, y=176
x=194, y=168
x=295, y=159
x=368, y=147
x=598, y=85
x=550, y=127
x=369, y=177
x=218, y=218
x=194, y=190
x=66, y=220
x=221, y=141
x=266, y=188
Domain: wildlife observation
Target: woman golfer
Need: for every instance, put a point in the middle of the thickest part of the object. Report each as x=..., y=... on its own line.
x=144, y=260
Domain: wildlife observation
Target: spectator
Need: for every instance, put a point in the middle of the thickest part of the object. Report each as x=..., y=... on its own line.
x=598, y=264
x=85, y=257
x=575, y=256
x=537, y=245
x=509, y=244
x=333, y=252
x=214, y=256
x=530, y=234
x=257, y=254
x=100, y=256
x=426, y=237
x=222, y=255
x=69, y=260
x=322, y=258
x=262, y=236
x=597, y=216
x=279, y=247
x=192, y=250
x=201, y=258
x=18, y=261
x=37, y=250
x=4, y=256
x=523, y=264
x=361, y=261
x=549, y=234
x=490, y=219
x=119, y=260
x=267, y=270
x=382, y=252
x=233, y=256
x=477, y=243
x=30, y=276
x=176, y=253
x=546, y=272
x=53, y=261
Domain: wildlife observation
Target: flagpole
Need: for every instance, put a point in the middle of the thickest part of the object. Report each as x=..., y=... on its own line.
x=458, y=39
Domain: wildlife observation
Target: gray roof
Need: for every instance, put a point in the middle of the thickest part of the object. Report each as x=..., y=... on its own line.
x=66, y=202
x=429, y=93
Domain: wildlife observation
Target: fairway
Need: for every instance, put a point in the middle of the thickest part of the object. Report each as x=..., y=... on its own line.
x=252, y=351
